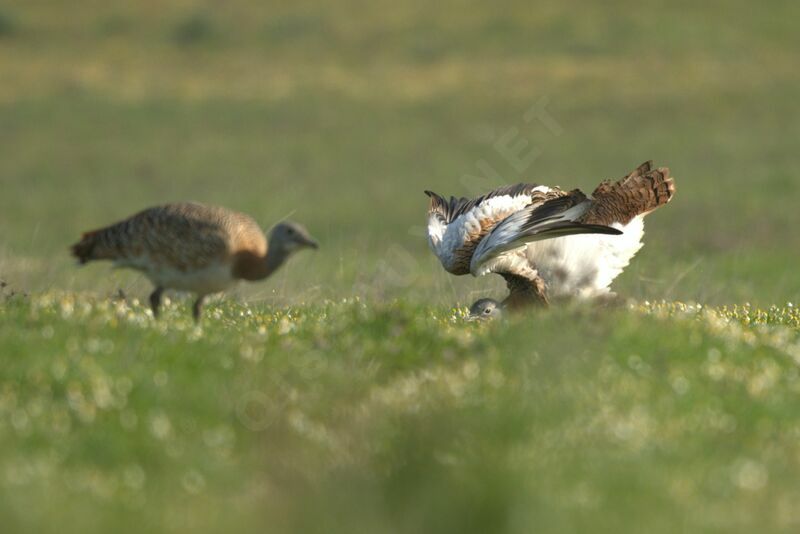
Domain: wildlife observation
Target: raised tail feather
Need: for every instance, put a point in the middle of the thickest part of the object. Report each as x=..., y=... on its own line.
x=639, y=193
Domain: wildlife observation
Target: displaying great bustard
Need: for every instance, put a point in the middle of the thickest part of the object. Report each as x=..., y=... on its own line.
x=192, y=247
x=527, y=234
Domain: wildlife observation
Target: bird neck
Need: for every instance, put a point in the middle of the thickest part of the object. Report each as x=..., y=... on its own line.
x=272, y=260
x=252, y=267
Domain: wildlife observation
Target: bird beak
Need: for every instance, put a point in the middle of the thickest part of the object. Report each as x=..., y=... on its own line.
x=310, y=243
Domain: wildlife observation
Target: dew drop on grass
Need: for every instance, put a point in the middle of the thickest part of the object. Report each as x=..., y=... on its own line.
x=67, y=309
x=496, y=379
x=73, y=345
x=123, y=385
x=133, y=477
x=160, y=426
x=61, y=422
x=58, y=369
x=128, y=420
x=174, y=449
x=221, y=437
x=471, y=370
x=750, y=475
x=727, y=423
x=93, y=346
x=35, y=408
x=20, y=421
x=160, y=379
x=716, y=371
x=680, y=385
x=193, y=482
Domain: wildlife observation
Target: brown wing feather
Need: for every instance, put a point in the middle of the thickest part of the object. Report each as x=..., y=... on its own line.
x=183, y=236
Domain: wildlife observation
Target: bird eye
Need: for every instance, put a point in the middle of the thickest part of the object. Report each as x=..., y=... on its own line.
x=487, y=311
x=291, y=231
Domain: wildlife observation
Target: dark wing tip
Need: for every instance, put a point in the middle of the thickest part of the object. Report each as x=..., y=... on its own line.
x=550, y=230
x=644, y=168
x=555, y=206
x=437, y=205
x=601, y=229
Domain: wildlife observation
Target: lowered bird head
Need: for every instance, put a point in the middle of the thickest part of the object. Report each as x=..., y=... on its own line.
x=485, y=310
x=290, y=237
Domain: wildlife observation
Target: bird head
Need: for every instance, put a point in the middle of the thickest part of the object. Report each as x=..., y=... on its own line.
x=485, y=310
x=290, y=237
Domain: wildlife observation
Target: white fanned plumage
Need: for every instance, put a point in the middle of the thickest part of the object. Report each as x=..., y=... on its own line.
x=529, y=234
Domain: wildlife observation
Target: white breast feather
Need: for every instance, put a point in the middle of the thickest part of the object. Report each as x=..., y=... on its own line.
x=583, y=266
x=580, y=266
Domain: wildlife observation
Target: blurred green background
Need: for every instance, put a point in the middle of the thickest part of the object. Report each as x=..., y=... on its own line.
x=291, y=410
x=341, y=114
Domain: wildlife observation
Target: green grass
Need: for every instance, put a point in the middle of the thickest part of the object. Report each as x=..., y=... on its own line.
x=346, y=393
x=348, y=417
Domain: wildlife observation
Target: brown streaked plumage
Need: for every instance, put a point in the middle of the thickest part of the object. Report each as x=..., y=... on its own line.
x=638, y=193
x=193, y=247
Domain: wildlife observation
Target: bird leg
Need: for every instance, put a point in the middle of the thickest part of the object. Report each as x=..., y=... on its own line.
x=524, y=291
x=540, y=291
x=609, y=300
x=197, y=308
x=155, y=300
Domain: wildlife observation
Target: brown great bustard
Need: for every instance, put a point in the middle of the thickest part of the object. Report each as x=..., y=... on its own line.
x=193, y=247
x=527, y=233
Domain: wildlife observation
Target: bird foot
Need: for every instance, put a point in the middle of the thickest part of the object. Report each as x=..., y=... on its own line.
x=197, y=309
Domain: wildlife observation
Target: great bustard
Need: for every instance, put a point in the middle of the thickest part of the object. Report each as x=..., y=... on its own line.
x=192, y=247
x=525, y=233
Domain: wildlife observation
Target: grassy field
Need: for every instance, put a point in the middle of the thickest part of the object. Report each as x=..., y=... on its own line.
x=348, y=417
x=347, y=394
